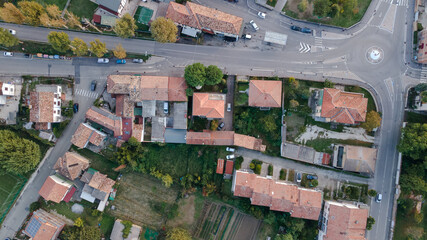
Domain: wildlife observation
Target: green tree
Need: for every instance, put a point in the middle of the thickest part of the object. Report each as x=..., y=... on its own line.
x=370, y=222
x=329, y=84
x=10, y=13
x=79, y=47
x=32, y=11
x=213, y=75
x=17, y=155
x=410, y=182
x=302, y=6
x=98, y=48
x=189, y=92
x=286, y=236
x=59, y=41
x=195, y=75
x=349, y=7
x=72, y=20
x=419, y=88
x=214, y=125
x=7, y=39
x=372, y=193
x=125, y=26
x=178, y=234
x=321, y=8
x=335, y=10
x=414, y=141
x=314, y=183
x=269, y=123
x=164, y=30
x=167, y=180
x=78, y=222
x=373, y=120
x=424, y=97
x=119, y=51
x=80, y=233
x=293, y=103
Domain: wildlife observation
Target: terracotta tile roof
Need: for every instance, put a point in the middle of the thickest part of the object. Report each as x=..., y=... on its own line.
x=71, y=165
x=229, y=167
x=176, y=89
x=41, y=106
x=265, y=93
x=105, y=119
x=70, y=194
x=44, y=226
x=279, y=196
x=209, y=105
x=201, y=17
x=345, y=221
x=249, y=142
x=220, y=166
x=219, y=138
x=137, y=131
x=360, y=159
x=101, y=182
x=54, y=189
x=343, y=107
x=85, y=133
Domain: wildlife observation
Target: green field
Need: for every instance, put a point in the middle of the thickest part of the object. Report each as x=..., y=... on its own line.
x=10, y=186
x=82, y=8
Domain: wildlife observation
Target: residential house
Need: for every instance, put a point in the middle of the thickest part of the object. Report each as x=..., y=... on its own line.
x=220, y=166
x=343, y=221
x=355, y=158
x=278, y=196
x=303, y=153
x=209, y=105
x=44, y=226
x=265, y=94
x=56, y=189
x=117, y=232
x=334, y=105
x=115, y=7
x=105, y=119
x=6, y=90
x=86, y=134
x=45, y=106
x=71, y=165
x=97, y=187
x=195, y=18
x=224, y=138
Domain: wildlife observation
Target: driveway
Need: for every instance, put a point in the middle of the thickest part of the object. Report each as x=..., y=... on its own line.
x=228, y=119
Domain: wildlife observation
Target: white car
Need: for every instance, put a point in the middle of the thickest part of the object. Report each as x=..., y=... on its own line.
x=8, y=54
x=254, y=25
x=261, y=15
x=228, y=107
x=103, y=60
x=229, y=149
x=228, y=157
x=13, y=32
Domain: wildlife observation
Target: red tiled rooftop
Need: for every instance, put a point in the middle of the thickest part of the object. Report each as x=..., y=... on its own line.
x=265, y=93
x=105, y=119
x=41, y=106
x=209, y=105
x=229, y=167
x=220, y=166
x=54, y=189
x=176, y=89
x=70, y=193
x=71, y=165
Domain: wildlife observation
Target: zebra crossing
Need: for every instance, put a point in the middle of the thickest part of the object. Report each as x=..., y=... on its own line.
x=318, y=43
x=86, y=93
x=403, y=3
x=423, y=76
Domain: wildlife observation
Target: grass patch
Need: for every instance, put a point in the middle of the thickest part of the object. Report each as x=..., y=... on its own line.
x=241, y=99
x=291, y=176
x=272, y=3
x=37, y=47
x=323, y=145
x=413, y=117
x=242, y=86
x=82, y=8
x=283, y=173
x=99, y=162
x=107, y=223
x=11, y=186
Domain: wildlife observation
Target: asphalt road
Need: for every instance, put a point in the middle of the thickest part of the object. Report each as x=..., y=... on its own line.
x=343, y=60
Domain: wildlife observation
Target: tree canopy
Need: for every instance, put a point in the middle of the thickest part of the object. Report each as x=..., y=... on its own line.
x=125, y=26
x=32, y=11
x=178, y=234
x=79, y=47
x=195, y=74
x=98, y=48
x=414, y=141
x=213, y=75
x=119, y=51
x=59, y=41
x=370, y=222
x=80, y=233
x=373, y=120
x=17, y=155
x=321, y=8
x=164, y=30
x=7, y=39
x=10, y=13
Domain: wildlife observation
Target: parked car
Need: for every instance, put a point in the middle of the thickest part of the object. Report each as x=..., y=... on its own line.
x=299, y=177
x=228, y=157
x=27, y=55
x=228, y=107
x=306, y=30
x=254, y=25
x=75, y=107
x=121, y=61
x=379, y=198
x=136, y=60
x=13, y=32
x=56, y=56
x=166, y=107
x=229, y=149
x=221, y=125
x=247, y=36
x=8, y=54
x=93, y=85
x=50, y=56
x=261, y=15
x=311, y=177
x=103, y=60
x=295, y=28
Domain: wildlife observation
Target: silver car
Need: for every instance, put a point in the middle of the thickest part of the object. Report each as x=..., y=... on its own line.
x=254, y=25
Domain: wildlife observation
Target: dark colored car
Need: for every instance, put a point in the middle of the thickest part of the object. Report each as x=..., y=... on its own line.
x=311, y=177
x=221, y=125
x=306, y=30
x=121, y=61
x=295, y=28
x=93, y=85
x=27, y=55
x=75, y=107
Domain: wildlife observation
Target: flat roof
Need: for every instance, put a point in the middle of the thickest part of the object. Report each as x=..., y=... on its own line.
x=276, y=38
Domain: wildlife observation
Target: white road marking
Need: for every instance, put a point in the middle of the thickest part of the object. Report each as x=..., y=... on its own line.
x=304, y=47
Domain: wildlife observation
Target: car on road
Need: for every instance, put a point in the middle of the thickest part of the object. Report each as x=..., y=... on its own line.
x=228, y=157
x=13, y=32
x=295, y=28
x=299, y=177
x=103, y=60
x=378, y=198
x=137, y=60
x=228, y=107
x=75, y=107
x=311, y=177
x=121, y=61
x=27, y=55
x=8, y=54
x=221, y=125
x=254, y=25
x=229, y=149
x=165, y=108
x=261, y=15
x=306, y=30
x=93, y=85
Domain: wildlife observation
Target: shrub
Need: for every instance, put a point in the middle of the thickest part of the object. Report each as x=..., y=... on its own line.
x=372, y=192
x=126, y=230
x=314, y=183
x=258, y=169
x=252, y=166
x=370, y=222
x=270, y=170
x=302, y=6
x=238, y=162
x=189, y=92
x=34, y=206
x=282, y=174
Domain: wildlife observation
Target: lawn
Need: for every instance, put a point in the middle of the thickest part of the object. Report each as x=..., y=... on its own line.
x=406, y=225
x=82, y=8
x=10, y=187
x=323, y=144
x=272, y=3
x=413, y=117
